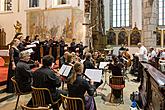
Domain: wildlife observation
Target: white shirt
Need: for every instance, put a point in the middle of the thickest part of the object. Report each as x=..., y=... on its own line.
x=162, y=55
x=143, y=54
x=152, y=55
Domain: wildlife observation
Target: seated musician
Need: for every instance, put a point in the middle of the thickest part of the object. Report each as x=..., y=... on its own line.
x=46, y=77
x=77, y=86
x=63, y=59
x=162, y=61
x=116, y=68
x=152, y=54
x=88, y=64
x=23, y=74
x=68, y=62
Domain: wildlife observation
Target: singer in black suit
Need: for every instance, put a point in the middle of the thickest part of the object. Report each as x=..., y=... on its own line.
x=46, y=46
x=62, y=45
x=54, y=45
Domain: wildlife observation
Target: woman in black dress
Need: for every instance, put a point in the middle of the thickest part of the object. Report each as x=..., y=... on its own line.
x=14, y=58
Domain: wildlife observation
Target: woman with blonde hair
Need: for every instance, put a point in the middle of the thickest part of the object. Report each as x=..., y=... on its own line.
x=77, y=87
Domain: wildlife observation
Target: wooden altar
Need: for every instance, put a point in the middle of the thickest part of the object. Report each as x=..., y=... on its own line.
x=152, y=88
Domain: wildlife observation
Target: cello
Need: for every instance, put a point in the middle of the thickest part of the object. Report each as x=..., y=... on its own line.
x=128, y=57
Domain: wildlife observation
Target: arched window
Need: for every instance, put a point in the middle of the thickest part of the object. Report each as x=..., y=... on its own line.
x=33, y=3
x=161, y=12
x=121, y=13
x=5, y=5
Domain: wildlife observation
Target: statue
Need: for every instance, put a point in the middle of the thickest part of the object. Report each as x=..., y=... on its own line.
x=18, y=27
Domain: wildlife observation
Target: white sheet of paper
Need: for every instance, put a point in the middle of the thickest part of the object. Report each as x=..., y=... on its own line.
x=62, y=69
x=94, y=74
x=29, y=50
x=30, y=46
x=103, y=64
x=35, y=42
x=82, y=61
x=67, y=70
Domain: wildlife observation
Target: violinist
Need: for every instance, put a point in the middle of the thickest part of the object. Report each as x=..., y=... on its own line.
x=45, y=77
x=68, y=62
x=116, y=68
x=77, y=86
x=88, y=64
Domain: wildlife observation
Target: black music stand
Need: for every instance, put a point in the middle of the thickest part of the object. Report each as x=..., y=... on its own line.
x=105, y=77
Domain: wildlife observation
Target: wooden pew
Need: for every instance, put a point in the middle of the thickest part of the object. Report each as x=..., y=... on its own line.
x=152, y=88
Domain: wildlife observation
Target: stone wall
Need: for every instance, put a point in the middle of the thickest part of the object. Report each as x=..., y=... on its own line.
x=150, y=18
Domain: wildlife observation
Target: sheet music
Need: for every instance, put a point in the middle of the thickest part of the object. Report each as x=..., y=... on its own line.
x=29, y=50
x=67, y=70
x=94, y=74
x=103, y=64
x=30, y=46
x=64, y=70
x=35, y=42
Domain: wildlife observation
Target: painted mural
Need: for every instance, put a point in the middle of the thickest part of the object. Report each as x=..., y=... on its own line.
x=56, y=23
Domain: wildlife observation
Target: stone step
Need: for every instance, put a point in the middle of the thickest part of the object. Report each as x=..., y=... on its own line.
x=3, y=95
x=6, y=96
x=2, y=88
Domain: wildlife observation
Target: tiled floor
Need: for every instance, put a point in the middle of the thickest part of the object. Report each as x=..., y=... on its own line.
x=101, y=105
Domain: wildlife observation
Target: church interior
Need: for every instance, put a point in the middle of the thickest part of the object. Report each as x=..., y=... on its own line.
x=82, y=54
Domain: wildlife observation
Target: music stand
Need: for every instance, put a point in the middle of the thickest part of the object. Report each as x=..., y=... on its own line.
x=105, y=77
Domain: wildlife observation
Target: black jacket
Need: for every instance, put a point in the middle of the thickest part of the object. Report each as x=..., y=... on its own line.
x=79, y=87
x=45, y=77
x=23, y=76
x=88, y=65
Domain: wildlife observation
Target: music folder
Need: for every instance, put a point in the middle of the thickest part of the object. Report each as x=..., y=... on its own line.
x=94, y=74
x=64, y=70
x=103, y=64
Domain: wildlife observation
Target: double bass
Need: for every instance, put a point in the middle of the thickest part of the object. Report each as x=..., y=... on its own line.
x=128, y=57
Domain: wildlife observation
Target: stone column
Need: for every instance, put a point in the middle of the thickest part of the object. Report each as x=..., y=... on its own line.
x=87, y=30
x=150, y=22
